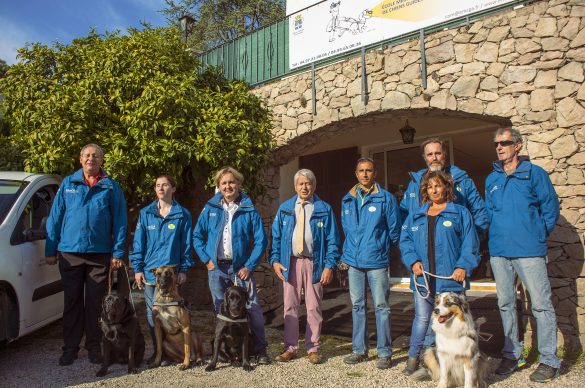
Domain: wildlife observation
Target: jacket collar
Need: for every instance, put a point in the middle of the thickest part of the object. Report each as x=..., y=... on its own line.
x=289, y=205
x=175, y=209
x=245, y=201
x=524, y=166
x=422, y=212
x=77, y=177
x=353, y=191
x=456, y=173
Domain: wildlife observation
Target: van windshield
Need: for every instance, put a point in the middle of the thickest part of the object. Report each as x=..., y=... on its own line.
x=9, y=192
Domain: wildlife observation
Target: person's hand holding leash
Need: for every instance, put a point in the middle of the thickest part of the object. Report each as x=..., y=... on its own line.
x=458, y=275
x=278, y=268
x=139, y=279
x=116, y=263
x=209, y=265
x=417, y=269
x=244, y=273
x=181, y=278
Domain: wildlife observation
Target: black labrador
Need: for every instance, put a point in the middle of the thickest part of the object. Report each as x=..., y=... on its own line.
x=232, y=331
x=123, y=341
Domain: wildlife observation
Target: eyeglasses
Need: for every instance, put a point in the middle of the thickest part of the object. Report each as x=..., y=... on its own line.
x=504, y=143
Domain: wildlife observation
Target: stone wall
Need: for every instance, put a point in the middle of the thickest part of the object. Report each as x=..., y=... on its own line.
x=524, y=67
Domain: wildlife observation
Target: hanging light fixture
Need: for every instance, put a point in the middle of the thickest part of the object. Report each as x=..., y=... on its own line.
x=407, y=132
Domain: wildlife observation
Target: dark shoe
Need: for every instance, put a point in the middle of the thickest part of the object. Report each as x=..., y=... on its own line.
x=411, y=366
x=67, y=358
x=544, y=373
x=507, y=366
x=355, y=358
x=315, y=358
x=384, y=362
x=262, y=358
x=95, y=356
x=286, y=356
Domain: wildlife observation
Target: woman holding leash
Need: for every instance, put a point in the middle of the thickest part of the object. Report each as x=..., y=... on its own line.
x=439, y=244
x=162, y=237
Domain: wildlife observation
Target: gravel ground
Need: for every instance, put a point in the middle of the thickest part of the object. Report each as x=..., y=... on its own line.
x=32, y=362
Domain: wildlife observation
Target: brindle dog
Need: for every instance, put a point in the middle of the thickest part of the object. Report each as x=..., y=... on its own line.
x=172, y=323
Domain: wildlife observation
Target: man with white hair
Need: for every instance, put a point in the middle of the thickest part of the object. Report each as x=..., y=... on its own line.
x=522, y=208
x=305, y=248
x=434, y=152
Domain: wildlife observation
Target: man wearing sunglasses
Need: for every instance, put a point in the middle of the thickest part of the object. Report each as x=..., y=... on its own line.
x=522, y=209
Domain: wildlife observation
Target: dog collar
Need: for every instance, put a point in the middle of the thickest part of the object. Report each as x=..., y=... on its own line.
x=224, y=318
x=173, y=303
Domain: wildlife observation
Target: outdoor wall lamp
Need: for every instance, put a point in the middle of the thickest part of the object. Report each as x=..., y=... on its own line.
x=407, y=132
x=186, y=25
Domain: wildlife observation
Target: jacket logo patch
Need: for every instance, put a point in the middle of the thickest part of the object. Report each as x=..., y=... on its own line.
x=412, y=195
x=372, y=209
x=283, y=223
x=72, y=191
x=404, y=227
x=171, y=226
x=494, y=188
x=320, y=224
x=151, y=227
x=346, y=211
x=447, y=223
x=458, y=188
x=414, y=228
x=212, y=214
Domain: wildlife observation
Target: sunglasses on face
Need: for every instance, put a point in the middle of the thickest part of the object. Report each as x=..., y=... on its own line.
x=504, y=143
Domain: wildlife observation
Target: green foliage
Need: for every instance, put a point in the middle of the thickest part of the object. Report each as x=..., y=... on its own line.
x=10, y=155
x=141, y=97
x=3, y=68
x=219, y=21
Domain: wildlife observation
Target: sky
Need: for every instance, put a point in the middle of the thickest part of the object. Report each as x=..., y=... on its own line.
x=48, y=21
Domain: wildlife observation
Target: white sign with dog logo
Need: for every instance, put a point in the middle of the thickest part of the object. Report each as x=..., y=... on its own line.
x=336, y=26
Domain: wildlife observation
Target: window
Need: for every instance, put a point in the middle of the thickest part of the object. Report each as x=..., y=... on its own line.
x=31, y=225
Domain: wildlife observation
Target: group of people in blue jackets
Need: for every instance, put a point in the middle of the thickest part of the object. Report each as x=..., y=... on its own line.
x=437, y=225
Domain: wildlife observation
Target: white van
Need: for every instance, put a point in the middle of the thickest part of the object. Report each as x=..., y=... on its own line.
x=31, y=293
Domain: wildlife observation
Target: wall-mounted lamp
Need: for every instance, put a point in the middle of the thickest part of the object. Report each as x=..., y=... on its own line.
x=407, y=132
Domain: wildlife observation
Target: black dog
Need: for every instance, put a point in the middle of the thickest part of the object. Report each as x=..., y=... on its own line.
x=123, y=341
x=232, y=331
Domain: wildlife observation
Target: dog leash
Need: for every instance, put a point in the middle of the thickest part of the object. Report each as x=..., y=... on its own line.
x=112, y=269
x=426, y=287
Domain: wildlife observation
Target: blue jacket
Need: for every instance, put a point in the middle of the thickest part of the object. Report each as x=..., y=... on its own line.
x=522, y=209
x=162, y=241
x=456, y=245
x=323, y=229
x=370, y=231
x=466, y=194
x=248, y=236
x=87, y=219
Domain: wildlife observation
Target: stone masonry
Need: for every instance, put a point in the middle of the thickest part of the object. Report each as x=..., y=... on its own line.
x=524, y=67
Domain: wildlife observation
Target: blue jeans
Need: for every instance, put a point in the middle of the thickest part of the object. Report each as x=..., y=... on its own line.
x=422, y=334
x=219, y=280
x=380, y=288
x=149, y=293
x=532, y=271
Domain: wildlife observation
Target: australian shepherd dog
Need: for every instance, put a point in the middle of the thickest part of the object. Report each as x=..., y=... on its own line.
x=456, y=361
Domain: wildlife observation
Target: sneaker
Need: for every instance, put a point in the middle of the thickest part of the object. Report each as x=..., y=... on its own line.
x=355, y=358
x=67, y=358
x=384, y=362
x=544, y=373
x=262, y=358
x=507, y=366
x=411, y=366
x=95, y=356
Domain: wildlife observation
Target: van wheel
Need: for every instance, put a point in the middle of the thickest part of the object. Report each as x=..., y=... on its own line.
x=9, y=318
